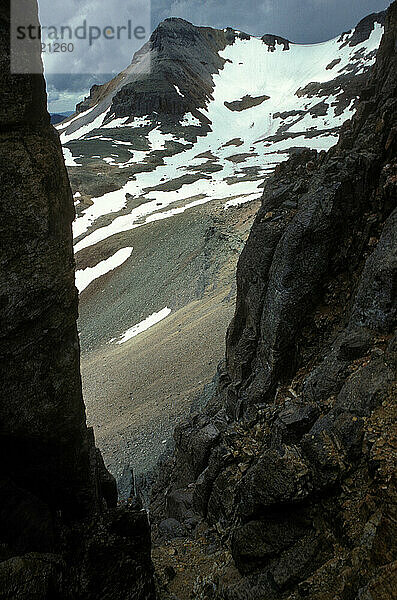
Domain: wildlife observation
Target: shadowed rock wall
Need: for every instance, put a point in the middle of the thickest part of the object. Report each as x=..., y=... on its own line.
x=42, y=419
x=61, y=535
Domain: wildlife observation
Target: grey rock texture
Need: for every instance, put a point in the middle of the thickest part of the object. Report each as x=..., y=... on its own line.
x=272, y=40
x=39, y=345
x=246, y=102
x=181, y=52
x=61, y=535
x=300, y=481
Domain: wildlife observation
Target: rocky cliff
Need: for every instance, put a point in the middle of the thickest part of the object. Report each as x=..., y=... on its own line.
x=61, y=535
x=290, y=470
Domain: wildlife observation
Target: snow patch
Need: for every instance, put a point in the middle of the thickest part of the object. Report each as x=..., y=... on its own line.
x=68, y=156
x=66, y=122
x=190, y=120
x=84, y=129
x=142, y=326
x=86, y=276
x=122, y=122
x=240, y=201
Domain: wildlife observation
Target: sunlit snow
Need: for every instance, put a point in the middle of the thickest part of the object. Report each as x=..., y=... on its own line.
x=84, y=129
x=86, y=276
x=68, y=156
x=142, y=326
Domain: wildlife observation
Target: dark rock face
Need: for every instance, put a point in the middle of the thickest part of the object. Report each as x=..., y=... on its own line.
x=300, y=479
x=180, y=52
x=273, y=40
x=58, y=519
x=57, y=118
x=246, y=102
x=87, y=102
x=365, y=27
x=43, y=429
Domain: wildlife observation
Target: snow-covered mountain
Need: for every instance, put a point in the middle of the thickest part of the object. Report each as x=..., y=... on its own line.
x=215, y=115
x=158, y=158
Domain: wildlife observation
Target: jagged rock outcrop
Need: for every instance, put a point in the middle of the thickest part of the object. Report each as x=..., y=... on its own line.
x=293, y=461
x=273, y=40
x=61, y=534
x=245, y=102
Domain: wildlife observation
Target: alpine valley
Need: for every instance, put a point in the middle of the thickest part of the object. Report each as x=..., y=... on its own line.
x=167, y=163
x=222, y=186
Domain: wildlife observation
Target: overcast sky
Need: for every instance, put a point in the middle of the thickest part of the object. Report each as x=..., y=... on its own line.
x=304, y=21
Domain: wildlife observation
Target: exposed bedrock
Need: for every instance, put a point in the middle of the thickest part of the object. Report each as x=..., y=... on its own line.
x=273, y=40
x=293, y=461
x=180, y=52
x=61, y=535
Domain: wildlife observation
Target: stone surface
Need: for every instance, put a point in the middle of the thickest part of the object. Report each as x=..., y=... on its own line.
x=60, y=533
x=43, y=431
x=171, y=528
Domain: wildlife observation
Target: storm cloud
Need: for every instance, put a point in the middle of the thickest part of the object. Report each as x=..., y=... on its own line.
x=302, y=21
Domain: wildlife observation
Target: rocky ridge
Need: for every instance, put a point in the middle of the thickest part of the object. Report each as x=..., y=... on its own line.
x=287, y=479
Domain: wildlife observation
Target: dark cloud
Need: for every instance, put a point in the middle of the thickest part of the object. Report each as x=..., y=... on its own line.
x=304, y=21
x=75, y=83
x=65, y=91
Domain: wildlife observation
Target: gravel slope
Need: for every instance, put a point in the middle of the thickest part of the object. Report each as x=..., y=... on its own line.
x=137, y=391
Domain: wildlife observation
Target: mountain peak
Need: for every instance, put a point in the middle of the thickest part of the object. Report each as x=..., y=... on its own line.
x=363, y=29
